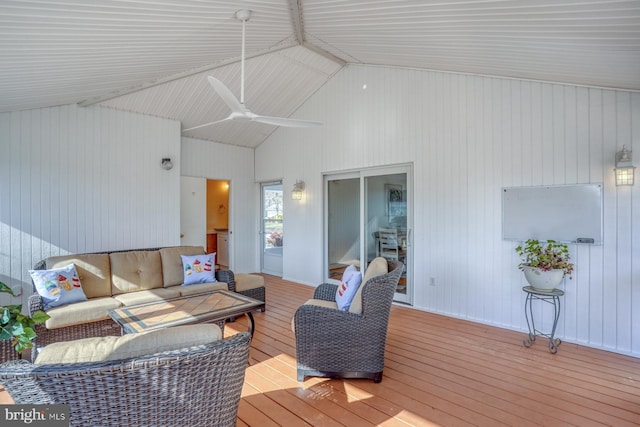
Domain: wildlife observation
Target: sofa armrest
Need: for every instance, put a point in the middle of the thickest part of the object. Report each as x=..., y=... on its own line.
x=35, y=304
x=228, y=277
x=326, y=292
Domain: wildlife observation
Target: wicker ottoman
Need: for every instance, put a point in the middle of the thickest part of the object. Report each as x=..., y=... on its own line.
x=251, y=285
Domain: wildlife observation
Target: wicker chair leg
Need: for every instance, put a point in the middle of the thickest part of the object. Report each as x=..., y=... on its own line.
x=377, y=377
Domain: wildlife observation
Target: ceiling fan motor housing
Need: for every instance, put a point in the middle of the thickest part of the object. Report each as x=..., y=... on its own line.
x=243, y=15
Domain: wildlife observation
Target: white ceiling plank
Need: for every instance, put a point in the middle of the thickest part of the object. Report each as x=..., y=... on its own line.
x=152, y=56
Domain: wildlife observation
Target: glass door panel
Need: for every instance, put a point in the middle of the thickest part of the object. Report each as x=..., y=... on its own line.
x=272, y=230
x=343, y=226
x=386, y=222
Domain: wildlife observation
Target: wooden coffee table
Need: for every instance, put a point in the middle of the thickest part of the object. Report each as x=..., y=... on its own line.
x=209, y=307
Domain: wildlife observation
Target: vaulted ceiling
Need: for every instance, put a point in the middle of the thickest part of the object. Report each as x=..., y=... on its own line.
x=153, y=56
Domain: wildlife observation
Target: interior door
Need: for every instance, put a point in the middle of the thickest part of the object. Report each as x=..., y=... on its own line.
x=272, y=228
x=368, y=214
x=193, y=211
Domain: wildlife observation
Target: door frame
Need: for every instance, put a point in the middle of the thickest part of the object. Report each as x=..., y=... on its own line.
x=261, y=235
x=362, y=174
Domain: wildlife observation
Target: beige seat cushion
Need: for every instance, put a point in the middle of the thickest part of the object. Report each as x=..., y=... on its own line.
x=245, y=282
x=172, y=272
x=198, y=288
x=143, y=297
x=92, y=310
x=135, y=271
x=376, y=268
x=94, y=271
x=129, y=346
x=319, y=303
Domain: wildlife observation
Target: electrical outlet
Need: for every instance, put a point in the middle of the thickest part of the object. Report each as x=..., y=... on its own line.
x=432, y=281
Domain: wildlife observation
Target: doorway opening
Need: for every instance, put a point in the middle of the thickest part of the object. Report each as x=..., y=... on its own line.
x=218, y=221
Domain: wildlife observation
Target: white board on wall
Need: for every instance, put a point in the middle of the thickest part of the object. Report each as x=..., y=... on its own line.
x=565, y=213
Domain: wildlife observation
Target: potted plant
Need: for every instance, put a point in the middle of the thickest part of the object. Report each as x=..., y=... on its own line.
x=17, y=327
x=544, y=264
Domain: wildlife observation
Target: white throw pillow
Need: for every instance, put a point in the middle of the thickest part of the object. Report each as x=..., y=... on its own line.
x=198, y=269
x=58, y=286
x=351, y=279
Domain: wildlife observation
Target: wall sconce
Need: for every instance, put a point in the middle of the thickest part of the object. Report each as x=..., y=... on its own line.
x=166, y=164
x=624, y=168
x=298, y=189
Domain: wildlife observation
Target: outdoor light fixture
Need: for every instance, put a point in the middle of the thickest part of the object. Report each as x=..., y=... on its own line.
x=624, y=168
x=298, y=189
x=166, y=164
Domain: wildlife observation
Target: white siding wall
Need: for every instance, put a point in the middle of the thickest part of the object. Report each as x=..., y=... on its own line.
x=211, y=160
x=469, y=136
x=78, y=180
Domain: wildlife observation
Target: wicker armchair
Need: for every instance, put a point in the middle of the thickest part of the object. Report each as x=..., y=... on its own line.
x=196, y=386
x=341, y=344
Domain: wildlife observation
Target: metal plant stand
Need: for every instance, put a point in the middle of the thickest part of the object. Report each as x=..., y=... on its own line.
x=549, y=297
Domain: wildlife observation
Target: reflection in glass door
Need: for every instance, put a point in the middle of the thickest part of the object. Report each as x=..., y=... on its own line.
x=272, y=221
x=386, y=230
x=368, y=214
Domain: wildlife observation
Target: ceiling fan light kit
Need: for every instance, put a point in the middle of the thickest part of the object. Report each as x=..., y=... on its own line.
x=238, y=110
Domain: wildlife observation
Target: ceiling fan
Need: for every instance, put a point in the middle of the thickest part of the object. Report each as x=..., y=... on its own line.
x=238, y=110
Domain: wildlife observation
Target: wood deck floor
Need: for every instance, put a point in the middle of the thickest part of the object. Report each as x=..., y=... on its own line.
x=438, y=371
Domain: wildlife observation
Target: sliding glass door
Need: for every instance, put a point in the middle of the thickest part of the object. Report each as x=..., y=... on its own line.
x=368, y=214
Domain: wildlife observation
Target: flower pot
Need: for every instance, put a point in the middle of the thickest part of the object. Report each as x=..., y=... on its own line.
x=541, y=280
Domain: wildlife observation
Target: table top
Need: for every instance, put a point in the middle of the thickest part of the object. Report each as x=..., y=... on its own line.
x=552, y=293
x=206, y=307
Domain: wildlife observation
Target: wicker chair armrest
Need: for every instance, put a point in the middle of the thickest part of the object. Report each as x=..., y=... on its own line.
x=35, y=303
x=228, y=277
x=214, y=366
x=314, y=321
x=326, y=292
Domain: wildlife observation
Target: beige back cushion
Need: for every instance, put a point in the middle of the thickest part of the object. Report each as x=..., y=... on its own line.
x=378, y=267
x=93, y=270
x=172, y=271
x=135, y=271
x=128, y=346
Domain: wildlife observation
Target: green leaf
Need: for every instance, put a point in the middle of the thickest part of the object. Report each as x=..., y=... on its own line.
x=5, y=315
x=28, y=335
x=40, y=317
x=5, y=334
x=17, y=329
x=7, y=289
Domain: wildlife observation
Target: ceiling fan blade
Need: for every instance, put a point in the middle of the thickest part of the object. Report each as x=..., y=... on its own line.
x=281, y=121
x=226, y=95
x=238, y=110
x=207, y=124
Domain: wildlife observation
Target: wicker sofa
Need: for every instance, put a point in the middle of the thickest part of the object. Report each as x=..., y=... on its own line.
x=347, y=344
x=194, y=386
x=119, y=278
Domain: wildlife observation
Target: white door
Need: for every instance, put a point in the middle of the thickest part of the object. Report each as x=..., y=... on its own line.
x=272, y=228
x=193, y=211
